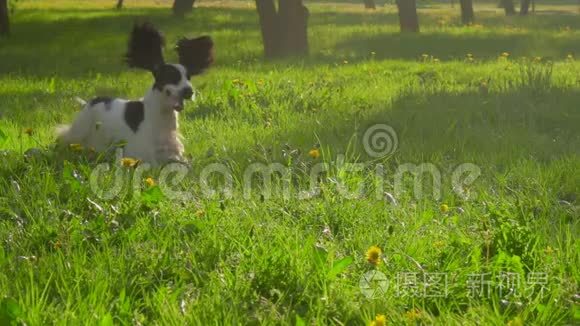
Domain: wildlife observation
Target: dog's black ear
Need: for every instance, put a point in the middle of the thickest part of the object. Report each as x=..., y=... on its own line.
x=145, y=48
x=196, y=54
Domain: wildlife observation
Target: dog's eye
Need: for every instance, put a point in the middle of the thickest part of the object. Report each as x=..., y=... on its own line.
x=167, y=92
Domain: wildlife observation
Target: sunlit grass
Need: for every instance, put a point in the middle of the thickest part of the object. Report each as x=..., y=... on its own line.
x=453, y=94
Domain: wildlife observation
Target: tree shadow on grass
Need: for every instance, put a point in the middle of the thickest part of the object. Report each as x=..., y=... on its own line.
x=73, y=43
x=454, y=46
x=543, y=34
x=498, y=127
x=77, y=42
x=541, y=21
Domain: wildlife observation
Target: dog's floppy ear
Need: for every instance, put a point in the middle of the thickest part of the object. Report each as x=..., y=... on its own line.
x=196, y=54
x=145, y=49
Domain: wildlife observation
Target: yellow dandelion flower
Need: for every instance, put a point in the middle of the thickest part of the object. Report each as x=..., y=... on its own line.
x=29, y=131
x=424, y=55
x=505, y=54
x=76, y=147
x=570, y=56
x=373, y=53
x=380, y=320
x=483, y=86
x=150, y=182
x=314, y=153
x=549, y=250
x=345, y=61
x=373, y=255
x=538, y=59
x=516, y=322
x=469, y=55
x=439, y=244
x=436, y=60
x=444, y=208
x=129, y=162
x=413, y=315
x=199, y=213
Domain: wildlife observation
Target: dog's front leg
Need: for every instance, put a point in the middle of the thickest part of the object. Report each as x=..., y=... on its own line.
x=171, y=151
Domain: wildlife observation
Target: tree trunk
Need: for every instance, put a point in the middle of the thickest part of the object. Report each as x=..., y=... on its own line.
x=370, y=4
x=269, y=27
x=508, y=6
x=467, y=15
x=408, y=18
x=4, y=20
x=182, y=7
x=294, y=30
x=525, y=7
x=119, y=4
x=285, y=31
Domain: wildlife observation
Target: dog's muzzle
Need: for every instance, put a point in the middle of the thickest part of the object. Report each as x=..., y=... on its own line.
x=184, y=94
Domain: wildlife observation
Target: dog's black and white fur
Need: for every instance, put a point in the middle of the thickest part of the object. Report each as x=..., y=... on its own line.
x=149, y=126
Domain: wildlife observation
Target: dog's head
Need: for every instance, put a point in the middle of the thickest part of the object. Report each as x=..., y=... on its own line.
x=171, y=80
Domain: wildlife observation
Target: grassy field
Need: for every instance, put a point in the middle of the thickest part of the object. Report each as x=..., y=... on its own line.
x=501, y=95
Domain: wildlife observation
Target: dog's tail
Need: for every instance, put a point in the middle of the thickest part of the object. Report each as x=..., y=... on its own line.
x=79, y=130
x=81, y=101
x=62, y=132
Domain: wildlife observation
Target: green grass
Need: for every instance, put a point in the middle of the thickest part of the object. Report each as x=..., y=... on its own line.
x=70, y=257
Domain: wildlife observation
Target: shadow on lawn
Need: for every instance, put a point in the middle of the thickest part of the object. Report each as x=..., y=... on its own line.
x=72, y=43
x=453, y=47
x=84, y=41
x=543, y=34
x=501, y=127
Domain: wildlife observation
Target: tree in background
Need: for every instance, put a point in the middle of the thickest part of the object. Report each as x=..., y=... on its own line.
x=509, y=7
x=182, y=7
x=119, y=4
x=4, y=18
x=525, y=7
x=284, y=31
x=467, y=15
x=370, y=4
x=408, y=18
